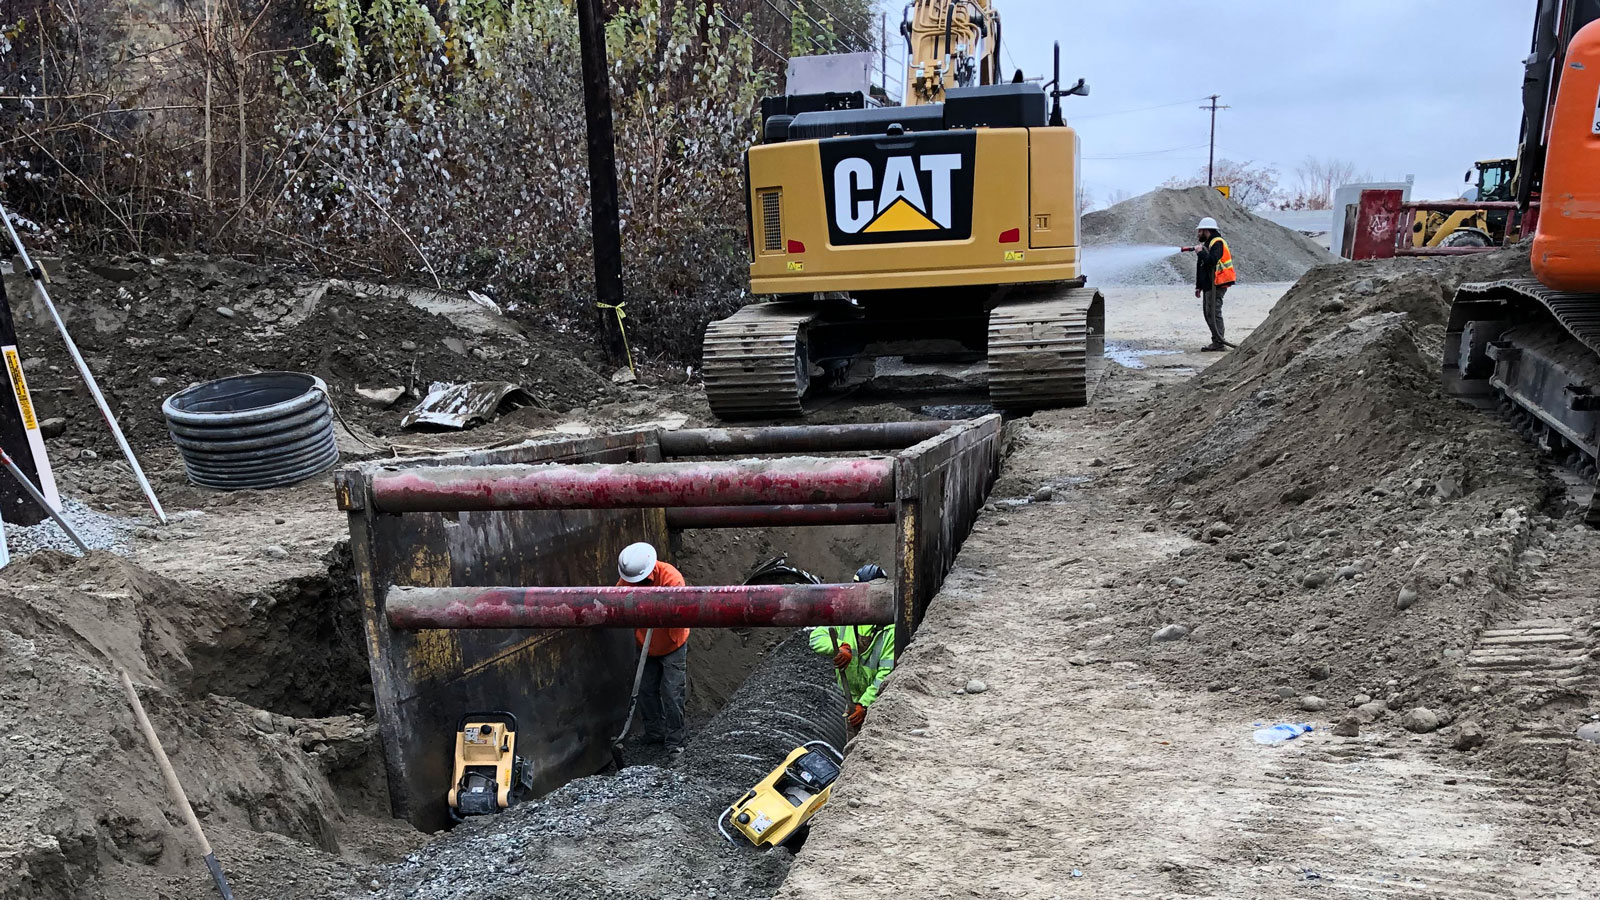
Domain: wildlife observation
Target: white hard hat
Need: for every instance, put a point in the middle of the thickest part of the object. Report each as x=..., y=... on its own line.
x=636, y=562
x=1207, y=222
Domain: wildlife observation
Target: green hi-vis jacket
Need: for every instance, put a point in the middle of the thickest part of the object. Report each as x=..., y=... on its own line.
x=872, y=649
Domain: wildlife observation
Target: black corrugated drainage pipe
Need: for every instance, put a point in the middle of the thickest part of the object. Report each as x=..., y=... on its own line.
x=264, y=430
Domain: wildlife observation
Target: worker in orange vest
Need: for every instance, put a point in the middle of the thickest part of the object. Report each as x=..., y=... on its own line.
x=664, y=686
x=1214, y=274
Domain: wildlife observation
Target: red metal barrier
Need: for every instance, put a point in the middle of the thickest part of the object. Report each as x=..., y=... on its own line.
x=778, y=516
x=415, y=608
x=798, y=480
x=1376, y=215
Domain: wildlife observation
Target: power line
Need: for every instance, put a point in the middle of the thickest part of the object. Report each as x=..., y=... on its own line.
x=1125, y=112
x=866, y=41
x=1146, y=154
x=758, y=41
x=783, y=12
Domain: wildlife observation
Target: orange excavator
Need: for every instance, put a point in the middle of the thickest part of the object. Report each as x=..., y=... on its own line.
x=1532, y=345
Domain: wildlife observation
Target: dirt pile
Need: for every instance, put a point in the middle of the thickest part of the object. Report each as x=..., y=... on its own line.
x=1262, y=250
x=285, y=759
x=657, y=825
x=150, y=327
x=1353, y=528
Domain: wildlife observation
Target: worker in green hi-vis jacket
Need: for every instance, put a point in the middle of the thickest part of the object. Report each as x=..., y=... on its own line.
x=863, y=654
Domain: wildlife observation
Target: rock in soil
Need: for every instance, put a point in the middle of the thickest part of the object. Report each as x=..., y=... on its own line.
x=1589, y=732
x=1469, y=736
x=1372, y=712
x=1312, y=703
x=1420, y=720
x=1406, y=599
x=1349, y=726
x=1171, y=633
x=976, y=686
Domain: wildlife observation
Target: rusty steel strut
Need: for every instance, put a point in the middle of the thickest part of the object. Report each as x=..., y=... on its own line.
x=735, y=606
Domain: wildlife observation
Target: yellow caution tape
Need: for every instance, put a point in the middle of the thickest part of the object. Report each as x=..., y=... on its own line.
x=622, y=314
x=19, y=385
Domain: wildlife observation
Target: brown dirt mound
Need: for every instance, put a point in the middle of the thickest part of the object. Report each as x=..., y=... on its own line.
x=87, y=814
x=1262, y=250
x=1321, y=471
x=150, y=328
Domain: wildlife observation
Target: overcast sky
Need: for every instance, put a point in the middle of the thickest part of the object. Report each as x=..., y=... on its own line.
x=1399, y=87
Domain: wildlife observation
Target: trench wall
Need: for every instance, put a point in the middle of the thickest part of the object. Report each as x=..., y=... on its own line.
x=568, y=688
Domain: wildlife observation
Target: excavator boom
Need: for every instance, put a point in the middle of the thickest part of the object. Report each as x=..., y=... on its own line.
x=949, y=43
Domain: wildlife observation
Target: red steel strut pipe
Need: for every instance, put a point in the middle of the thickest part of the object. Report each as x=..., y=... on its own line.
x=738, y=606
x=870, y=436
x=779, y=516
x=797, y=480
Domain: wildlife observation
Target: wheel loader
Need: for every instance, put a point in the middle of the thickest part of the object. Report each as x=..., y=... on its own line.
x=941, y=228
x=1533, y=345
x=1471, y=227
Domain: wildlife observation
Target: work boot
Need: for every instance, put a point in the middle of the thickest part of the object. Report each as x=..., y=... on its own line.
x=1213, y=348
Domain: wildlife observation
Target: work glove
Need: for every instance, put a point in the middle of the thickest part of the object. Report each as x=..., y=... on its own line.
x=843, y=657
x=858, y=714
x=1197, y=295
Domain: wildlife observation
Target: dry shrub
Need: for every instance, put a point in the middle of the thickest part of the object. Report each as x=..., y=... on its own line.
x=414, y=139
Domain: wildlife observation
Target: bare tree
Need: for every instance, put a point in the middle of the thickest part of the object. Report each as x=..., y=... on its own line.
x=1086, y=201
x=1251, y=186
x=1315, y=180
x=1118, y=195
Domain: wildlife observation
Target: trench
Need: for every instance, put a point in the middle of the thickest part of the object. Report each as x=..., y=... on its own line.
x=721, y=659
x=650, y=829
x=296, y=651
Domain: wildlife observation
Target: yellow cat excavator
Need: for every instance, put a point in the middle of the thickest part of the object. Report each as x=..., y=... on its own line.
x=947, y=226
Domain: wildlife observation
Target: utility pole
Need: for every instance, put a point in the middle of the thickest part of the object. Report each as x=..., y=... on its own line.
x=607, y=231
x=1211, y=156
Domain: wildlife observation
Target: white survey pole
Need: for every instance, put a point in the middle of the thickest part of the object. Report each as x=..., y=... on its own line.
x=83, y=368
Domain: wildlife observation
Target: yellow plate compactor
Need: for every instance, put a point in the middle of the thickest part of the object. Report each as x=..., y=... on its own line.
x=778, y=810
x=489, y=775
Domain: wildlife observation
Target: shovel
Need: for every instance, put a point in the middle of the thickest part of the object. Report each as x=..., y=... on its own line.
x=633, y=702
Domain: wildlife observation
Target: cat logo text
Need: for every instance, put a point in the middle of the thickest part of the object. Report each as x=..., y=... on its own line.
x=885, y=191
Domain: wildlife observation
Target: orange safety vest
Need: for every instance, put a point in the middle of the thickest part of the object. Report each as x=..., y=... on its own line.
x=664, y=640
x=1225, y=274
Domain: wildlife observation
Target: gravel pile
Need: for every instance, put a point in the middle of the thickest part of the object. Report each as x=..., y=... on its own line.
x=99, y=530
x=1263, y=251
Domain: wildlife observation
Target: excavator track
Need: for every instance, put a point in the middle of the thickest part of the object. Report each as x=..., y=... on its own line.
x=1046, y=352
x=1535, y=351
x=755, y=360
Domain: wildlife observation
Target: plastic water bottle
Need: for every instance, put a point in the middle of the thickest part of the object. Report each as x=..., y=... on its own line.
x=1277, y=734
